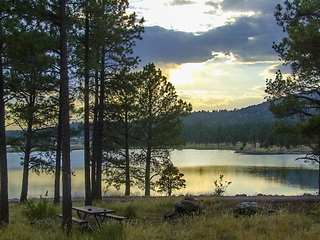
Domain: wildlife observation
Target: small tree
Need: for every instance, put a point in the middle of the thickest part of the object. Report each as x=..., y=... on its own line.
x=171, y=179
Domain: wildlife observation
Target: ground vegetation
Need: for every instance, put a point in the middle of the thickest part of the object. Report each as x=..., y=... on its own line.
x=291, y=220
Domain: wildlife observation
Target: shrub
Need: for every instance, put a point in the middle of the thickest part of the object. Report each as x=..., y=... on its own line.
x=39, y=210
x=130, y=211
x=220, y=186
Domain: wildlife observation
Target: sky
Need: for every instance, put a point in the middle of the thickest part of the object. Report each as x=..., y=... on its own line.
x=217, y=53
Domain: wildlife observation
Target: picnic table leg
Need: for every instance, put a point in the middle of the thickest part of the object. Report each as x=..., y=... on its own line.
x=100, y=218
x=79, y=215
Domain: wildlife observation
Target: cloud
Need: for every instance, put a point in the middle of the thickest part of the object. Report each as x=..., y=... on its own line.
x=223, y=67
x=208, y=100
x=249, y=5
x=161, y=45
x=220, y=82
x=181, y=2
x=212, y=4
x=274, y=68
x=182, y=15
x=250, y=39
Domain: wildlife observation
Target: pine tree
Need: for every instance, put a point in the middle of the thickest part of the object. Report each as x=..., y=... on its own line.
x=159, y=113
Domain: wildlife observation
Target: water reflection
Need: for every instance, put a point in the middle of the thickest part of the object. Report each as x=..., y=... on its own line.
x=251, y=180
x=249, y=174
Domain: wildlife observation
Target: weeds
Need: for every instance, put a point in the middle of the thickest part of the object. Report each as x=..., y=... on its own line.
x=42, y=209
x=220, y=186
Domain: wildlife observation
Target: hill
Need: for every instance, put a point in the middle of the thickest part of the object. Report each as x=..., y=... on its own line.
x=252, y=114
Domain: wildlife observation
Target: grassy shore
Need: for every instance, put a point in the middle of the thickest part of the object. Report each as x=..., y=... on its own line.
x=250, y=149
x=290, y=221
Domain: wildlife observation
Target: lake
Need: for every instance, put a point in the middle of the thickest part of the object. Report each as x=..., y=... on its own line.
x=249, y=174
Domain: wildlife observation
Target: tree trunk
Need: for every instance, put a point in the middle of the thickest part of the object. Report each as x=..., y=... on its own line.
x=4, y=204
x=58, y=165
x=65, y=124
x=25, y=178
x=127, y=191
x=88, y=199
x=100, y=129
x=94, y=140
x=318, y=152
x=319, y=175
x=147, y=175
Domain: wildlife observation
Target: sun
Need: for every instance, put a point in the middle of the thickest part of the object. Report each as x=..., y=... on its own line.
x=184, y=73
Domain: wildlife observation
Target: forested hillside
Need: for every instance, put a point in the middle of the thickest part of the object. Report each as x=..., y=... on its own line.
x=251, y=125
x=251, y=114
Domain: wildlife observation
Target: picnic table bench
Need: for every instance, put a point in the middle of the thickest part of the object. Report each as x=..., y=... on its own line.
x=77, y=220
x=116, y=217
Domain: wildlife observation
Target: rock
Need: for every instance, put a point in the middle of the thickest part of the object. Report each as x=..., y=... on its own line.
x=186, y=207
x=247, y=209
x=171, y=215
x=190, y=198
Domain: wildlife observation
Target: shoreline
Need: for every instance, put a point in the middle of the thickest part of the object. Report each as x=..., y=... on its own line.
x=237, y=149
x=251, y=150
x=238, y=198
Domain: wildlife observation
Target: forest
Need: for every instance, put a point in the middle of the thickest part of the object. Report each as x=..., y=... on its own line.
x=254, y=125
x=64, y=59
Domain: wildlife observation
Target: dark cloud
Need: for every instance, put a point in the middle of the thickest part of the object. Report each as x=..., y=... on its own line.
x=161, y=45
x=180, y=2
x=249, y=5
x=249, y=38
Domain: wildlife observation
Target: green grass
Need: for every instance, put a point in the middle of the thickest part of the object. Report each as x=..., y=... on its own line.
x=291, y=221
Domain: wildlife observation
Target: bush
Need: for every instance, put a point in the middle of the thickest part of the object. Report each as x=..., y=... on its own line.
x=130, y=211
x=42, y=209
x=220, y=186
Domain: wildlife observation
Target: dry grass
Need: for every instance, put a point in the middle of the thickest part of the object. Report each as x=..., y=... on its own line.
x=291, y=221
x=250, y=149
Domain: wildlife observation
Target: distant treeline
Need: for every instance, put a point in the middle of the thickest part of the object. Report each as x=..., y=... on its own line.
x=262, y=134
x=253, y=125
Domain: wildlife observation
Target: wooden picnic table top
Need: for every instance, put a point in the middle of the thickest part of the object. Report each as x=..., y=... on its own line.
x=93, y=210
x=98, y=213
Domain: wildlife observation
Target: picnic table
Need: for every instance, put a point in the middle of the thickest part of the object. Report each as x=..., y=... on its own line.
x=99, y=213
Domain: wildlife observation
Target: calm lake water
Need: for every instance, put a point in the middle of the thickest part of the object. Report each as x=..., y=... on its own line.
x=249, y=174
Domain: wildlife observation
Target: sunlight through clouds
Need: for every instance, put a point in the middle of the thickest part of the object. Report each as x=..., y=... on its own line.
x=217, y=53
x=217, y=72
x=212, y=84
x=184, y=74
x=191, y=16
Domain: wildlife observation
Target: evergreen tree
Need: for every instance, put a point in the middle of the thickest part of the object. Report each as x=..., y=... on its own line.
x=121, y=105
x=111, y=34
x=159, y=113
x=299, y=93
x=32, y=85
x=171, y=179
x=4, y=203
x=64, y=119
